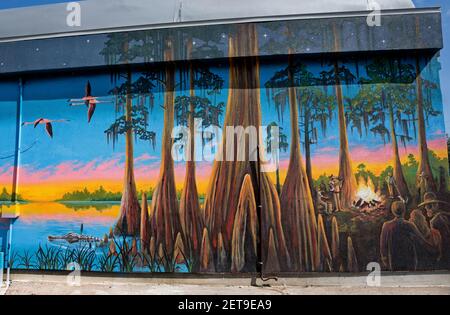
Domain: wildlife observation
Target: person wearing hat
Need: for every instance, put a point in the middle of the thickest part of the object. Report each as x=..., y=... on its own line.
x=392, y=186
x=321, y=201
x=336, y=184
x=427, y=262
x=400, y=242
x=439, y=220
x=422, y=185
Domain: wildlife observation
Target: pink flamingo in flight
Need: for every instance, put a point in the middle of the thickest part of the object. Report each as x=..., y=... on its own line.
x=47, y=122
x=88, y=100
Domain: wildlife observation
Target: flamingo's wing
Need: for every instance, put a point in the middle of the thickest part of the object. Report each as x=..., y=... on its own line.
x=49, y=129
x=38, y=121
x=88, y=90
x=91, y=111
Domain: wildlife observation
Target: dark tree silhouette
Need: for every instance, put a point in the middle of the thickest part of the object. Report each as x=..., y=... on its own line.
x=299, y=219
x=315, y=106
x=386, y=97
x=187, y=108
x=282, y=144
x=133, y=101
x=424, y=109
x=340, y=74
x=228, y=189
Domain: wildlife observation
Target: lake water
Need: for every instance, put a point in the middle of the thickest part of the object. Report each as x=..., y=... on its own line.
x=39, y=220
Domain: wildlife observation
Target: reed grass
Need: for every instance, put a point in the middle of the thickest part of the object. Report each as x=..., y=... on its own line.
x=26, y=260
x=47, y=258
x=108, y=262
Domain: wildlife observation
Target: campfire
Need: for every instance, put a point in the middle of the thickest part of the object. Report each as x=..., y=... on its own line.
x=366, y=196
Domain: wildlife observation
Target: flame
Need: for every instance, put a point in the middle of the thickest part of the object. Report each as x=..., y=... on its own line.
x=366, y=190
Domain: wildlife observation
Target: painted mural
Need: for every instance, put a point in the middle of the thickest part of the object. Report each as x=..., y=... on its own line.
x=108, y=179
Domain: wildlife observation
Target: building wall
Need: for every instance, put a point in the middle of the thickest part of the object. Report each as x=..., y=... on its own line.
x=116, y=177
x=8, y=129
x=8, y=157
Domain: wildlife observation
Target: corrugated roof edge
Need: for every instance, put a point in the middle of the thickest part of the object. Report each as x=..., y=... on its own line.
x=418, y=30
x=219, y=22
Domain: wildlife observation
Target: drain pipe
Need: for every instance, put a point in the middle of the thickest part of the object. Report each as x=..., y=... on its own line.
x=8, y=269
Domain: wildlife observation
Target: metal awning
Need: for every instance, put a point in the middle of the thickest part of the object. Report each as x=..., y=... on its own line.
x=109, y=15
x=344, y=32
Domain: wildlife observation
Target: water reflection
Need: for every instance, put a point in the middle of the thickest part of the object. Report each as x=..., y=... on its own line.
x=37, y=221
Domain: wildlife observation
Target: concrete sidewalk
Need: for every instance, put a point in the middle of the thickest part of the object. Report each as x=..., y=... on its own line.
x=37, y=284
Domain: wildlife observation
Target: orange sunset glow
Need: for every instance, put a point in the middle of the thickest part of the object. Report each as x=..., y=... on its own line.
x=33, y=188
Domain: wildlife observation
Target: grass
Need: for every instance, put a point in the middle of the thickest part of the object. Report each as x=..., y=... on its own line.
x=126, y=258
x=108, y=262
x=84, y=256
x=47, y=258
x=65, y=258
x=26, y=260
x=13, y=258
x=188, y=262
x=166, y=261
x=148, y=260
x=57, y=258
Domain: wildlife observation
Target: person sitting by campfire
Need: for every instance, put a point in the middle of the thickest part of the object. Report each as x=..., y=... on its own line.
x=438, y=219
x=401, y=241
x=336, y=184
x=431, y=235
x=392, y=186
x=321, y=202
x=422, y=186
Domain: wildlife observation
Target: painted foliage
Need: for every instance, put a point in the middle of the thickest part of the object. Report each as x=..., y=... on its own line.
x=349, y=166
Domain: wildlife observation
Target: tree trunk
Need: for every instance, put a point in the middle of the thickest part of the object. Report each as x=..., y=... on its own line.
x=245, y=232
x=442, y=180
x=345, y=163
x=299, y=218
x=276, y=156
x=243, y=109
x=166, y=220
x=130, y=210
x=398, y=172
x=189, y=203
x=206, y=254
x=271, y=263
x=352, y=261
x=424, y=162
x=326, y=260
x=145, y=226
x=308, y=151
x=277, y=174
x=335, y=244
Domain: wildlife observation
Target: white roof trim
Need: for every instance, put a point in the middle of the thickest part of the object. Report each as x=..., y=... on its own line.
x=48, y=20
